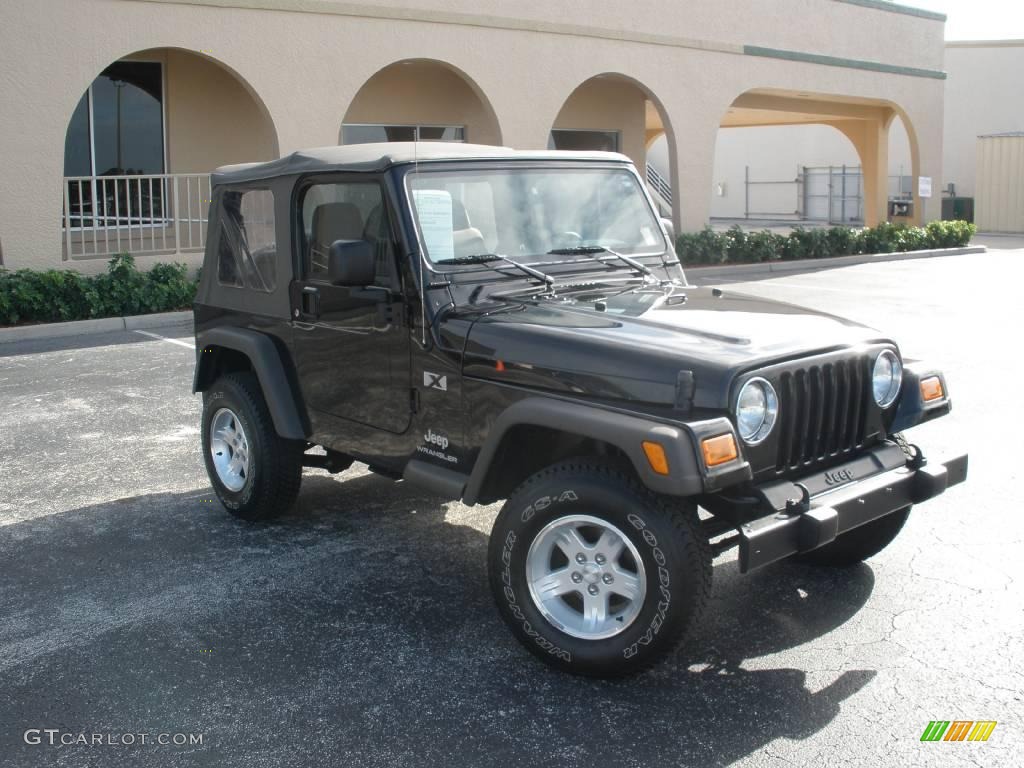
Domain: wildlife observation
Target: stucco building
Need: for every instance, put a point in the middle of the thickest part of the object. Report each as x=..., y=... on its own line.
x=779, y=173
x=115, y=111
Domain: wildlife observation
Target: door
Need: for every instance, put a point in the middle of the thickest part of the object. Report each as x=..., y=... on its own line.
x=351, y=344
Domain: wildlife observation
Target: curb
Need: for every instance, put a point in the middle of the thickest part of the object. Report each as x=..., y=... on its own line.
x=811, y=265
x=101, y=325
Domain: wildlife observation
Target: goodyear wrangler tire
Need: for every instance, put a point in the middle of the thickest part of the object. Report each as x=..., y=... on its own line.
x=254, y=472
x=594, y=574
x=859, y=544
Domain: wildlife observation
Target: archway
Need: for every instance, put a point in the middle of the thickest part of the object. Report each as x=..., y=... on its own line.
x=794, y=156
x=615, y=112
x=141, y=143
x=421, y=100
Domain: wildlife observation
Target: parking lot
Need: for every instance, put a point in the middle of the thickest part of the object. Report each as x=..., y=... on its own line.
x=359, y=629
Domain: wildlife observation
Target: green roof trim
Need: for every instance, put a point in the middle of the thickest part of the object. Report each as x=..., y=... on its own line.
x=834, y=61
x=883, y=5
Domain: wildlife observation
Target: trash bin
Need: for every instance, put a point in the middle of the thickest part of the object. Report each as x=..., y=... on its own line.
x=958, y=209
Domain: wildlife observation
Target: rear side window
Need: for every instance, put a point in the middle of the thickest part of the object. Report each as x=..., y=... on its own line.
x=247, y=246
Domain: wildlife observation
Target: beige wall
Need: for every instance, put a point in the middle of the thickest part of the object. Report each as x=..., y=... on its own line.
x=984, y=94
x=211, y=119
x=999, y=187
x=605, y=104
x=307, y=67
x=413, y=93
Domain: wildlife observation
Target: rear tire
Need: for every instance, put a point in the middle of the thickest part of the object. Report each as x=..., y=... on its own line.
x=859, y=544
x=594, y=574
x=255, y=473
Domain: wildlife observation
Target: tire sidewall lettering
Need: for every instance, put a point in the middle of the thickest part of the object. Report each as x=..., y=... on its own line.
x=542, y=503
x=513, y=605
x=664, y=583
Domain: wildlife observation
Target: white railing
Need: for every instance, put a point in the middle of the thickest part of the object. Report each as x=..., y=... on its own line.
x=660, y=184
x=161, y=213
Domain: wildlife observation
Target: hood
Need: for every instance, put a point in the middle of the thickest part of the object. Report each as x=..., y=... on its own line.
x=629, y=343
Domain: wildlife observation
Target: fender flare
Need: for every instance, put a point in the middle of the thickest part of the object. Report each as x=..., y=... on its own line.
x=687, y=475
x=281, y=398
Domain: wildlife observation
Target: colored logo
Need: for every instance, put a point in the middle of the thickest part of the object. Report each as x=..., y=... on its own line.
x=958, y=730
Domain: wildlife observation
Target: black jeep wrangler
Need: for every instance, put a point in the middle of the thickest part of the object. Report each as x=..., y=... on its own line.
x=493, y=324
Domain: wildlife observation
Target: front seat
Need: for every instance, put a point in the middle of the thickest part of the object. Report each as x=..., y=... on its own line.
x=332, y=221
x=468, y=240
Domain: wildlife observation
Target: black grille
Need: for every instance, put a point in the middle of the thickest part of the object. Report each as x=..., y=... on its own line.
x=823, y=412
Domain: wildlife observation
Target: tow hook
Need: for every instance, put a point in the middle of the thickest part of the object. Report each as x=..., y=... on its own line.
x=801, y=505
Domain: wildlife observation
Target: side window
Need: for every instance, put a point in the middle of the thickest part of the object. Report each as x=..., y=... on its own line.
x=227, y=267
x=247, y=248
x=346, y=211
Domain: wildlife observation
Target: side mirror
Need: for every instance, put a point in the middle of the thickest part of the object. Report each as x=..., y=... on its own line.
x=670, y=229
x=351, y=262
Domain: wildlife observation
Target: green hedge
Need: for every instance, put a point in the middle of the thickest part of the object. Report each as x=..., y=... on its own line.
x=738, y=247
x=59, y=294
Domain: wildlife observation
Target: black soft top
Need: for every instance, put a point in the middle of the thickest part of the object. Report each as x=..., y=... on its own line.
x=378, y=157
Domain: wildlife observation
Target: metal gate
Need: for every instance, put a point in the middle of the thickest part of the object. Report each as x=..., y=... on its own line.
x=831, y=194
x=834, y=194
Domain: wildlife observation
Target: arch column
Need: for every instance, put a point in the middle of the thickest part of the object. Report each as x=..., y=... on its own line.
x=871, y=140
x=693, y=135
x=926, y=152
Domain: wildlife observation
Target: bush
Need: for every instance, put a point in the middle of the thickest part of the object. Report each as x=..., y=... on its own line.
x=704, y=247
x=58, y=295
x=738, y=247
x=950, y=234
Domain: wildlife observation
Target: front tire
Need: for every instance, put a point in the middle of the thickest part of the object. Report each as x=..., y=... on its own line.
x=254, y=472
x=859, y=544
x=594, y=574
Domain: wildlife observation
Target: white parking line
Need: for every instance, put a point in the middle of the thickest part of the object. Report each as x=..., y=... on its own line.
x=179, y=342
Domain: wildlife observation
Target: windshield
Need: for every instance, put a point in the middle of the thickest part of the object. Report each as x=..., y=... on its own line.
x=530, y=212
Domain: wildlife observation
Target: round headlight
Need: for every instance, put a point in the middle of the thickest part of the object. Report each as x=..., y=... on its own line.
x=886, y=378
x=757, y=408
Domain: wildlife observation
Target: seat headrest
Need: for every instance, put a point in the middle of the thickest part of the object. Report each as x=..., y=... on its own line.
x=460, y=216
x=336, y=221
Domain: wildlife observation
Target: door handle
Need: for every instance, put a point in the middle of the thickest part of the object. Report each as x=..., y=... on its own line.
x=311, y=301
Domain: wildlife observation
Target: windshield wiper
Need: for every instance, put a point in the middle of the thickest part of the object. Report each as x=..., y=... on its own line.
x=483, y=258
x=583, y=249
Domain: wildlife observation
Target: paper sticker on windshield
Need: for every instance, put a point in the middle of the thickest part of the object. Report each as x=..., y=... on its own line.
x=434, y=211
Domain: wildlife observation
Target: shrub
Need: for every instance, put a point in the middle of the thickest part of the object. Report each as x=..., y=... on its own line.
x=56, y=295
x=950, y=234
x=738, y=247
x=704, y=247
x=765, y=245
x=912, y=239
x=842, y=241
x=881, y=238
x=806, y=244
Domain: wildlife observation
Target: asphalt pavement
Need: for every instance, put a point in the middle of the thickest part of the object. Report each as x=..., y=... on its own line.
x=359, y=629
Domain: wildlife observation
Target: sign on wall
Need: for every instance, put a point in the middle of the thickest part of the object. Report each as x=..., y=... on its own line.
x=924, y=186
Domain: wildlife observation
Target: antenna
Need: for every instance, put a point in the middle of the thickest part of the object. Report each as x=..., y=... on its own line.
x=419, y=252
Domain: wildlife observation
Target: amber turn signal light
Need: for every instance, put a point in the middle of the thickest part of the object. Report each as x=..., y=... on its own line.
x=719, y=450
x=931, y=389
x=656, y=457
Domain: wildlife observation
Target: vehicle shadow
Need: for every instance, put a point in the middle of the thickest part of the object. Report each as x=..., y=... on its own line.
x=359, y=630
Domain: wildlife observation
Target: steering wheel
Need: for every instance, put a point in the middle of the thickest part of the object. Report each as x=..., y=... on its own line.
x=568, y=240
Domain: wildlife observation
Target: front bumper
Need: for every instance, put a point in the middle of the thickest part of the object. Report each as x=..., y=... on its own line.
x=813, y=511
